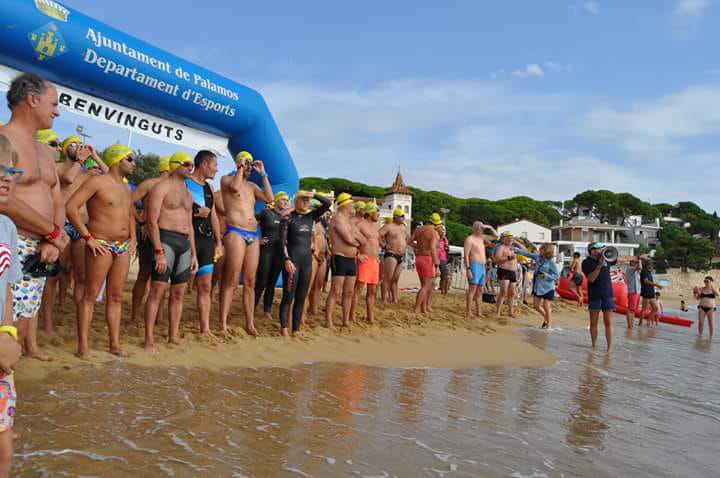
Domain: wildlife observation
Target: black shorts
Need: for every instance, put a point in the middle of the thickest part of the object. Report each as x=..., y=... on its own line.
x=443, y=270
x=548, y=296
x=577, y=278
x=145, y=250
x=343, y=266
x=205, y=250
x=398, y=258
x=178, y=255
x=504, y=274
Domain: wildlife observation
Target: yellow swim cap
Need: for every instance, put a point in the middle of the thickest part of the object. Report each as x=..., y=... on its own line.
x=68, y=141
x=178, y=159
x=371, y=208
x=281, y=195
x=303, y=194
x=435, y=219
x=343, y=199
x=388, y=219
x=165, y=164
x=243, y=156
x=398, y=212
x=506, y=234
x=116, y=153
x=360, y=205
x=46, y=135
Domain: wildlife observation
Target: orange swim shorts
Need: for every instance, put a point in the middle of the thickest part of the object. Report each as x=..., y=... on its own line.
x=369, y=271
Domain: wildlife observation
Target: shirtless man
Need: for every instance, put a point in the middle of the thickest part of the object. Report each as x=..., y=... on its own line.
x=72, y=174
x=145, y=254
x=394, y=235
x=427, y=264
x=34, y=105
x=475, y=259
x=359, y=213
x=169, y=220
x=345, y=240
x=506, y=261
x=368, y=262
x=242, y=238
x=576, y=277
x=110, y=240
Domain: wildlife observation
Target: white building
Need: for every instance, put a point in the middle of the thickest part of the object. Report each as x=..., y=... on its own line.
x=532, y=231
x=575, y=235
x=397, y=196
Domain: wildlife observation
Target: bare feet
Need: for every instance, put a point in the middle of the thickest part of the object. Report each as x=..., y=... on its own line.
x=84, y=355
x=173, y=341
x=298, y=335
x=250, y=329
x=330, y=325
x=119, y=352
x=39, y=355
x=284, y=332
x=151, y=348
x=267, y=315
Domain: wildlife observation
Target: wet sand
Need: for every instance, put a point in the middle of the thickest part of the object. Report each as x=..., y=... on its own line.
x=443, y=339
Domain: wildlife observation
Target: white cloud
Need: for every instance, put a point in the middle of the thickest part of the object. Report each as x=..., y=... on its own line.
x=482, y=139
x=691, y=8
x=532, y=69
x=591, y=7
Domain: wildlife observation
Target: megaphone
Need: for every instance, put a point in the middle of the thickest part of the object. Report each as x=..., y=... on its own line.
x=611, y=255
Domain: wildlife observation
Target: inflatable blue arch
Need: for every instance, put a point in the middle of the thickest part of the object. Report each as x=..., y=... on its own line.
x=117, y=79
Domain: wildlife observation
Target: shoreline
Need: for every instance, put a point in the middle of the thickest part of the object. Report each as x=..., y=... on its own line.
x=399, y=338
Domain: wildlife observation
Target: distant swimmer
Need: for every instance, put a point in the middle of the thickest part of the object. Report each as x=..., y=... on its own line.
x=475, y=258
x=427, y=264
x=110, y=241
x=576, y=277
x=345, y=239
x=394, y=235
x=242, y=238
x=368, y=262
x=169, y=219
x=296, y=234
x=271, y=257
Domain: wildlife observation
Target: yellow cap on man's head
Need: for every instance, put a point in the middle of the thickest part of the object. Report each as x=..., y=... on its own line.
x=398, y=212
x=281, y=195
x=165, y=164
x=68, y=141
x=46, y=136
x=388, y=219
x=243, y=156
x=116, y=153
x=343, y=199
x=303, y=194
x=178, y=159
x=435, y=219
x=360, y=205
x=371, y=208
x=506, y=234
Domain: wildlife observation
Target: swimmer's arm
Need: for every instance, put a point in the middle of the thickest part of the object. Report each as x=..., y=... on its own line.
x=191, y=235
x=133, y=217
x=59, y=202
x=284, y=225
x=69, y=176
x=233, y=183
x=152, y=213
x=266, y=193
x=25, y=217
x=142, y=190
x=218, y=204
x=434, y=249
x=215, y=224
x=78, y=199
x=324, y=206
x=343, y=229
x=535, y=257
x=466, y=252
x=99, y=160
x=493, y=233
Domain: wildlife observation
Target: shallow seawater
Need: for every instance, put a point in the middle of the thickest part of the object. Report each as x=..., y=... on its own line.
x=652, y=408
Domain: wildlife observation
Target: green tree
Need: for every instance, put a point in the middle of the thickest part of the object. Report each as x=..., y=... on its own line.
x=678, y=248
x=146, y=166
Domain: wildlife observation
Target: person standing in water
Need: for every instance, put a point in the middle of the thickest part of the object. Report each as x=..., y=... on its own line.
x=545, y=279
x=271, y=256
x=110, y=241
x=242, y=238
x=601, y=297
x=706, y=307
x=632, y=280
x=296, y=232
x=576, y=277
x=647, y=293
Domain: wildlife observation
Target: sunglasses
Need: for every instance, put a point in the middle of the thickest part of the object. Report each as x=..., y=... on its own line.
x=13, y=173
x=129, y=159
x=54, y=144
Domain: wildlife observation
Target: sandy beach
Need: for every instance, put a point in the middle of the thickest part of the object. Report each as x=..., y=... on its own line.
x=442, y=339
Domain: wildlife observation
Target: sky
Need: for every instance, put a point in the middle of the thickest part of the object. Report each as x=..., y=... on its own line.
x=491, y=99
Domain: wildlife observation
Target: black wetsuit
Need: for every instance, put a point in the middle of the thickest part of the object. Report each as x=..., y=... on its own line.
x=296, y=232
x=271, y=260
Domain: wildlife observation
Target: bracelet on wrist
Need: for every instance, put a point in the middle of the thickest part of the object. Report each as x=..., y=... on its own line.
x=10, y=330
x=264, y=175
x=88, y=237
x=160, y=252
x=54, y=234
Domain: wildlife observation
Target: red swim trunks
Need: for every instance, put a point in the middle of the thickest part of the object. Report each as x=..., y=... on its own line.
x=369, y=271
x=633, y=301
x=424, y=267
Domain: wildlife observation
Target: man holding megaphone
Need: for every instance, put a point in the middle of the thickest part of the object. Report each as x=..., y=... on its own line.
x=600, y=292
